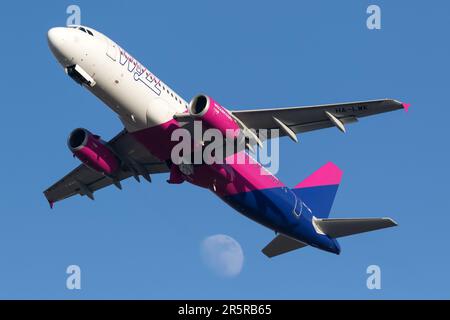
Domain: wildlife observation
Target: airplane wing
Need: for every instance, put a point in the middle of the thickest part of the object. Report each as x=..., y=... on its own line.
x=294, y=120
x=136, y=160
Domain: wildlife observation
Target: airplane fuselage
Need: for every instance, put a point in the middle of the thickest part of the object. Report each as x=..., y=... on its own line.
x=146, y=106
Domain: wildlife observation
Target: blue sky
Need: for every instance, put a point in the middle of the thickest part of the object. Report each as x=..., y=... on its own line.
x=144, y=242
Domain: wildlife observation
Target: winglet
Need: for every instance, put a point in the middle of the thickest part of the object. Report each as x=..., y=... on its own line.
x=406, y=106
x=51, y=203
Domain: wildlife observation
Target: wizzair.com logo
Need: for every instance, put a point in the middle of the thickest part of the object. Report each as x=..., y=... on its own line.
x=210, y=146
x=140, y=73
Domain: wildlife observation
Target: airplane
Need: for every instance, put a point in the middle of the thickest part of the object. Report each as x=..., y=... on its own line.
x=151, y=111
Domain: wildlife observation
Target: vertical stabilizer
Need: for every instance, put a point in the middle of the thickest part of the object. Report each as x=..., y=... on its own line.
x=319, y=189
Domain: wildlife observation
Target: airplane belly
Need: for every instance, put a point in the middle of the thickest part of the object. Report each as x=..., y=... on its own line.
x=268, y=207
x=258, y=195
x=272, y=209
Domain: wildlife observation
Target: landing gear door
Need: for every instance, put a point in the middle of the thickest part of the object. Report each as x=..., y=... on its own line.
x=112, y=50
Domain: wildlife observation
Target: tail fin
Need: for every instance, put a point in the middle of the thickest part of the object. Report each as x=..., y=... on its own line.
x=319, y=189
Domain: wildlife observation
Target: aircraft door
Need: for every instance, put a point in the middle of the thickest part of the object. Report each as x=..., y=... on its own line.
x=298, y=204
x=295, y=204
x=112, y=50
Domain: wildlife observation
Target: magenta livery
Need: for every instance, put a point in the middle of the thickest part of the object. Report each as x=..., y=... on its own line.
x=152, y=113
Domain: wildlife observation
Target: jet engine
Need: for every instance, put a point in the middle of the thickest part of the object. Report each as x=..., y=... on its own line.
x=93, y=152
x=213, y=115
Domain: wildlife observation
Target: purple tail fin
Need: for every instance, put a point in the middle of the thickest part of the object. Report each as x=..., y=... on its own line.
x=319, y=189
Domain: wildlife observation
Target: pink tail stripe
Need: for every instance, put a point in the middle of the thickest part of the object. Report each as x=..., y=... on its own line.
x=329, y=174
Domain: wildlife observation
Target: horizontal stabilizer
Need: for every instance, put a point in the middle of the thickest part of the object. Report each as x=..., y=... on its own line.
x=337, y=228
x=282, y=244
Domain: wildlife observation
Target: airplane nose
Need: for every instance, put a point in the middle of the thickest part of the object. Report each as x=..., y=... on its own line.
x=56, y=40
x=55, y=36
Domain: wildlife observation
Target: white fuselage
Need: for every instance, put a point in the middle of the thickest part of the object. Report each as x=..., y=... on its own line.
x=133, y=92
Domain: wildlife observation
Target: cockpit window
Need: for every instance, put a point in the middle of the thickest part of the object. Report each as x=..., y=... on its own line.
x=85, y=30
x=89, y=32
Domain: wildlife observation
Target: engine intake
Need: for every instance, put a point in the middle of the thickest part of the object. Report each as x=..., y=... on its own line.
x=92, y=151
x=213, y=115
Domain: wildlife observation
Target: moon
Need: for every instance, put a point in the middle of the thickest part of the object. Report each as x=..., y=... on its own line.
x=223, y=255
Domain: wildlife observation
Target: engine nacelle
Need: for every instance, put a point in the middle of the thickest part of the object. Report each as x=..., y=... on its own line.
x=93, y=152
x=213, y=115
